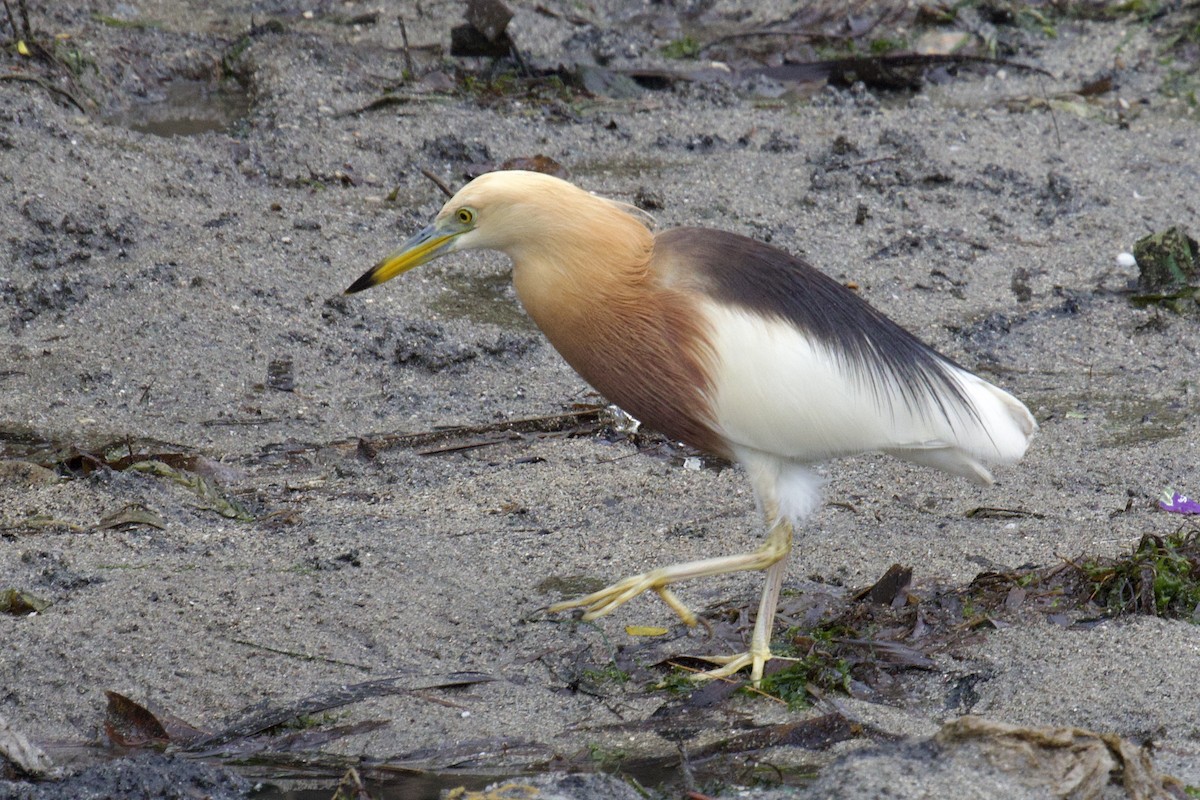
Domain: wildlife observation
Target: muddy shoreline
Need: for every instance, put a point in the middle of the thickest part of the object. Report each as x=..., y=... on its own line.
x=178, y=301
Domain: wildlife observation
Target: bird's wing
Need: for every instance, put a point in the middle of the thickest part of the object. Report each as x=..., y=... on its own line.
x=804, y=369
x=775, y=389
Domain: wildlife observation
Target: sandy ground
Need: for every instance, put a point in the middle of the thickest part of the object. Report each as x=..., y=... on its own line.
x=155, y=289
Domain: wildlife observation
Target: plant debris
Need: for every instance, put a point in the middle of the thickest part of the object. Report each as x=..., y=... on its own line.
x=25, y=756
x=287, y=737
x=129, y=724
x=212, y=499
x=1161, y=577
x=860, y=643
x=1169, y=270
x=1063, y=762
x=284, y=736
x=20, y=603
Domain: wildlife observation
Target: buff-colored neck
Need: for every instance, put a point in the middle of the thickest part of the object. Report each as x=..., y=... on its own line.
x=579, y=259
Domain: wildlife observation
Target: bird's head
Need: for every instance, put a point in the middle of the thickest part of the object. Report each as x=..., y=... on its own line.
x=511, y=211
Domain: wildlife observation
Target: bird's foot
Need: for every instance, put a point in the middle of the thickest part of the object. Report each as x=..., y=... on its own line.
x=607, y=600
x=754, y=658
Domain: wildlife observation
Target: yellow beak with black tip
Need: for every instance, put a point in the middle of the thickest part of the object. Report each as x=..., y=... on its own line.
x=433, y=241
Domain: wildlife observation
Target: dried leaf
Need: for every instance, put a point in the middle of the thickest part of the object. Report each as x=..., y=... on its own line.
x=537, y=163
x=889, y=587
x=645, y=630
x=891, y=652
x=25, y=473
x=129, y=724
x=1014, y=599
x=131, y=516
x=818, y=733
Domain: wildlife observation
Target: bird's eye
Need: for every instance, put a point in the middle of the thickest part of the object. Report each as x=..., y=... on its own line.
x=465, y=216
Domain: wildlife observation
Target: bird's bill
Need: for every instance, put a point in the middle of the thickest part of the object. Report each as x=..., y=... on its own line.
x=421, y=248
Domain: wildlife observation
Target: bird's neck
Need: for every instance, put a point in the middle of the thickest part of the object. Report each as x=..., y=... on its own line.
x=602, y=264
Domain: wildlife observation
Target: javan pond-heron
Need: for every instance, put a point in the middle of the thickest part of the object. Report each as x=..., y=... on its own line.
x=732, y=346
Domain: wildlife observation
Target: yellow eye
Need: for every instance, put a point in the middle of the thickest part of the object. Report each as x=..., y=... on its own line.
x=465, y=216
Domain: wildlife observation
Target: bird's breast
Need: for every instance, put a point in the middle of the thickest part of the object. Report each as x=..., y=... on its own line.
x=642, y=347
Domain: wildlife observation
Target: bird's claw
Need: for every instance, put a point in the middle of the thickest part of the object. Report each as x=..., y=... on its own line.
x=609, y=599
x=730, y=665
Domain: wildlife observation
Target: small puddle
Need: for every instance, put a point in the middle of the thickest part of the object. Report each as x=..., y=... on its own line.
x=482, y=298
x=188, y=108
x=1128, y=420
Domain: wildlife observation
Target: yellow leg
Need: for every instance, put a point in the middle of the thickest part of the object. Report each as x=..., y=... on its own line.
x=772, y=556
x=760, y=643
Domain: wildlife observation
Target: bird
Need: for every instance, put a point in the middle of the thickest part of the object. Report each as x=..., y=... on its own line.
x=730, y=345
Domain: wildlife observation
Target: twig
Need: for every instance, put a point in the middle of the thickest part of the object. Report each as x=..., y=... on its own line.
x=882, y=65
x=49, y=87
x=772, y=29
x=301, y=656
x=25, y=31
x=12, y=23
x=1053, y=118
x=729, y=37
x=455, y=447
x=335, y=698
x=437, y=182
x=516, y=55
x=578, y=422
x=352, y=786
x=548, y=423
x=441, y=701
x=408, y=61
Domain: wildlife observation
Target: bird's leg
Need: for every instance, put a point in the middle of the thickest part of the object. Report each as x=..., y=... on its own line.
x=760, y=642
x=605, y=601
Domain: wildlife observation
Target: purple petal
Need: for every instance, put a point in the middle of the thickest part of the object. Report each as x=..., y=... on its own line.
x=1179, y=504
